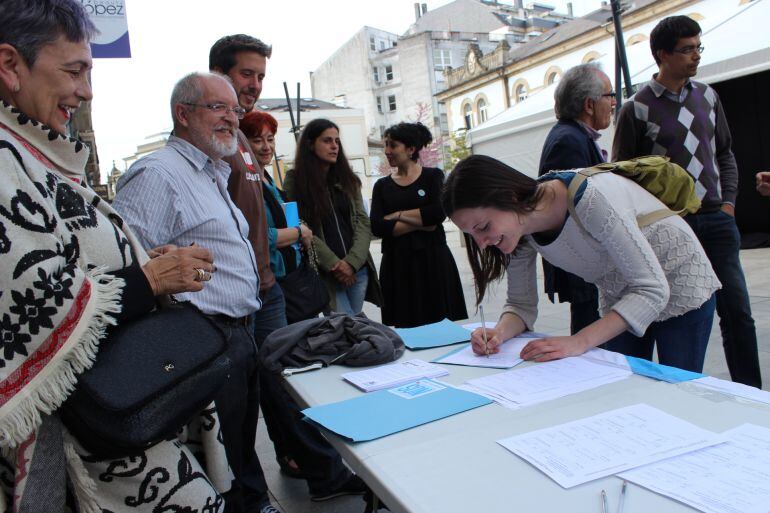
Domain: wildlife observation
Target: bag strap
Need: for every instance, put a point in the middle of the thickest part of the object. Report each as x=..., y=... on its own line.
x=581, y=176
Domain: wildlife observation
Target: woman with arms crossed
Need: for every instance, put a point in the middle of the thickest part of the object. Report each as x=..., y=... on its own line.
x=419, y=278
x=654, y=282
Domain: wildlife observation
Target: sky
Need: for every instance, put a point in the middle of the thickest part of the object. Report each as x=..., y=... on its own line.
x=170, y=38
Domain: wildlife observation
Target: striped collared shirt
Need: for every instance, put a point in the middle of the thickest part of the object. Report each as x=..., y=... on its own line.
x=178, y=195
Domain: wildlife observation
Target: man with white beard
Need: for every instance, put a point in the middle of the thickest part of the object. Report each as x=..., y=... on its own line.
x=177, y=196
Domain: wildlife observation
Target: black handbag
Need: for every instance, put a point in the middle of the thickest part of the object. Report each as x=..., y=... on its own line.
x=305, y=292
x=151, y=376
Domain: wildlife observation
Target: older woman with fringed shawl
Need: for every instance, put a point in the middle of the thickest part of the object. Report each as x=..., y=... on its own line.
x=70, y=268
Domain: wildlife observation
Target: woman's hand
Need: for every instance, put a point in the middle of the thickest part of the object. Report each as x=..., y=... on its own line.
x=307, y=235
x=393, y=216
x=172, y=269
x=494, y=340
x=763, y=183
x=344, y=273
x=554, y=348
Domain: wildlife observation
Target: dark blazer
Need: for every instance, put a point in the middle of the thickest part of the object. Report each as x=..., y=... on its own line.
x=567, y=146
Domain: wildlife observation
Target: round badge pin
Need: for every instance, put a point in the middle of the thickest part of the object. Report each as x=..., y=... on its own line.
x=420, y=192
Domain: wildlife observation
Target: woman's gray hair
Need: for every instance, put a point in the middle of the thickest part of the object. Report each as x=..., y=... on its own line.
x=577, y=84
x=28, y=25
x=189, y=89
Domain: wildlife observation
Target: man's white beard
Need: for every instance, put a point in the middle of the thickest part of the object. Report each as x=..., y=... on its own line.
x=211, y=145
x=224, y=149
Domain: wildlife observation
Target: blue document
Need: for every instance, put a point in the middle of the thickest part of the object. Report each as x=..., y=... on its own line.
x=442, y=333
x=385, y=412
x=659, y=371
x=291, y=213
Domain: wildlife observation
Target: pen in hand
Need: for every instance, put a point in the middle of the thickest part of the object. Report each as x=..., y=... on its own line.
x=484, y=329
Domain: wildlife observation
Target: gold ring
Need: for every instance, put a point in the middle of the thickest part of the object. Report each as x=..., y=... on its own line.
x=201, y=274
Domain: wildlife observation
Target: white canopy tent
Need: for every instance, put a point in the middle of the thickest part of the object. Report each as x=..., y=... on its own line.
x=735, y=44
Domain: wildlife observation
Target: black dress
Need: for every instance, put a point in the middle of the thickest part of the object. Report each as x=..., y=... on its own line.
x=418, y=275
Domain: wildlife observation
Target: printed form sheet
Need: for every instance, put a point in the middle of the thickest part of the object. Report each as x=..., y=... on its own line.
x=546, y=381
x=732, y=477
x=602, y=445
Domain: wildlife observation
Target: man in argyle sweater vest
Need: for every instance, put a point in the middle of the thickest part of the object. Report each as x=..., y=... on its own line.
x=682, y=119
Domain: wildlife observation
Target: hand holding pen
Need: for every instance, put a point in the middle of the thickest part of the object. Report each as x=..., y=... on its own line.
x=485, y=341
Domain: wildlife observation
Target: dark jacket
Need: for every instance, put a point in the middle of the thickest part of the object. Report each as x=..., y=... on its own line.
x=568, y=146
x=355, y=341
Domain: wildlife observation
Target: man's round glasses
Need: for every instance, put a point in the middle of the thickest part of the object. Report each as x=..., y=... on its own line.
x=687, y=50
x=219, y=108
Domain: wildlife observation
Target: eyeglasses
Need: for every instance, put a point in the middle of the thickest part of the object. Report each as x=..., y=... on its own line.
x=687, y=50
x=219, y=108
x=611, y=94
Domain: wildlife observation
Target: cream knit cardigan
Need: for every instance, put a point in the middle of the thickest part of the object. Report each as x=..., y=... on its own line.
x=644, y=274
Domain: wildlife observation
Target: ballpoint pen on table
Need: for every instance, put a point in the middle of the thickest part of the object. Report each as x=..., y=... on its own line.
x=604, y=502
x=622, y=499
x=484, y=329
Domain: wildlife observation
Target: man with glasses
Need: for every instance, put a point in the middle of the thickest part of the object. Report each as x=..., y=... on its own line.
x=243, y=59
x=584, y=101
x=178, y=195
x=684, y=120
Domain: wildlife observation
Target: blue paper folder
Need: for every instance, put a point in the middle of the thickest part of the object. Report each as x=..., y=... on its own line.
x=385, y=412
x=291, y=213
x=442, y=333
x=659, y=371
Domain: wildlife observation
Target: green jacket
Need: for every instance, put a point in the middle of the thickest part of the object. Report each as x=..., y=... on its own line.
x=358, y=255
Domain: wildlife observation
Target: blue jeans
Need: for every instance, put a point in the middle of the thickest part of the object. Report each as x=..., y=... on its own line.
x=350, y=300
x=319, y=462
x=681, y=340
x=719, y=236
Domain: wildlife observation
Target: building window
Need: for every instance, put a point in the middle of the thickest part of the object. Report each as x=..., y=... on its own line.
x=382, y=45
x=468, y=116
x=392, y=102
x=552, y=78
x=442, y=59
x=382, y=131
x=521, y=93
x=372, y=45
x=379, y=104
x=590, y=57
x=376, y=73
x=388, y=72
x=481, y=108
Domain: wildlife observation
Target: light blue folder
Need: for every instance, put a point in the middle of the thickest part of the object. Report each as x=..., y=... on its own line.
x=291, y=213
x=385, y=412
x=659, y=371
x=442, y=333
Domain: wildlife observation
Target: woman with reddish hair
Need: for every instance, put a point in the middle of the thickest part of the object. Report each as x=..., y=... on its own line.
x=260, y=128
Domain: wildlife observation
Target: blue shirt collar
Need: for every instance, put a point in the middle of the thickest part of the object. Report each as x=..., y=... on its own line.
x=199, y=160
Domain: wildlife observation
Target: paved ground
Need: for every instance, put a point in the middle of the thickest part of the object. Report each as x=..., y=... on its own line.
x=291, y=495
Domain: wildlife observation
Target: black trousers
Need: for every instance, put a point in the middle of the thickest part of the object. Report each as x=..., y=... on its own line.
x=238, y=408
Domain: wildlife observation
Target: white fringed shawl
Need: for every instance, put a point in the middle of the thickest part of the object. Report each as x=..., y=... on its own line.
x=58, y=240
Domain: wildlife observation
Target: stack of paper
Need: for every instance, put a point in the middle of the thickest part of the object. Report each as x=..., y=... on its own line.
x=545, y=381
x=394, y=374
x=731, y=477
x=385, y=412
x=608, y=443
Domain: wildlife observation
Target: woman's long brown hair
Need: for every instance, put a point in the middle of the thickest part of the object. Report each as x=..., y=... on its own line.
x=483, y=182
x=311, y=180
